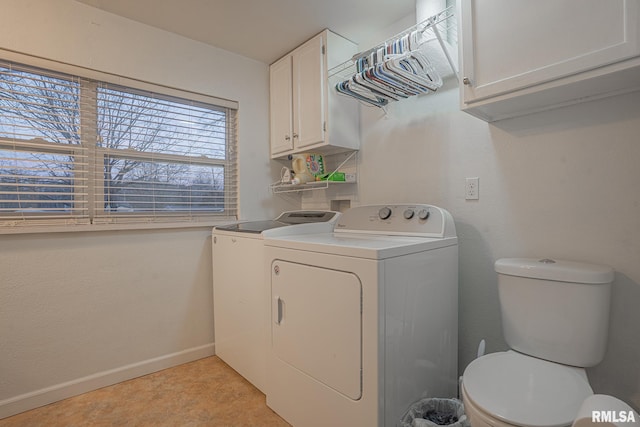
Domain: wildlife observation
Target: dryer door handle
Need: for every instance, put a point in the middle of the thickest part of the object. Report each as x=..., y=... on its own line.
x=278, y=310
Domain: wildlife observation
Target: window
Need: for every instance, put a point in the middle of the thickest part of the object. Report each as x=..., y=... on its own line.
x=76, y=150
x=40, y=149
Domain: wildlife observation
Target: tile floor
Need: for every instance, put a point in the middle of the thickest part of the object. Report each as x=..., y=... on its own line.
x=206, y=392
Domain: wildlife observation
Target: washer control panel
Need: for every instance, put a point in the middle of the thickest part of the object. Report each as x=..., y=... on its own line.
x=415, y=220
x=385, y=213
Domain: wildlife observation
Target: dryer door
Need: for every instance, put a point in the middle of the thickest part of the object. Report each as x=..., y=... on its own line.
x=317, y=323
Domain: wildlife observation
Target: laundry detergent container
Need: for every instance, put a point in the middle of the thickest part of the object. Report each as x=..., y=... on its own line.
x=555, y=310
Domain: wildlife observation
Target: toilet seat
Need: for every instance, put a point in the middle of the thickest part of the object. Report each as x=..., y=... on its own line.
x=526, y=391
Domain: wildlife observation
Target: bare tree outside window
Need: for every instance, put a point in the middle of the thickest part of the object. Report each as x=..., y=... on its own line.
x=153, y=153
x=138, y=125
x=43, y=110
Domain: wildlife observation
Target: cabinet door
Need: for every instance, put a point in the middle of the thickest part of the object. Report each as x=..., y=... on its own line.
x=309, y=93
x=510, y=45
x=281, y=105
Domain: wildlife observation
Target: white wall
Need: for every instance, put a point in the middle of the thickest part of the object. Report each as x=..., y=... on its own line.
x=79, y=310
x=559, y=184
x=84, y=310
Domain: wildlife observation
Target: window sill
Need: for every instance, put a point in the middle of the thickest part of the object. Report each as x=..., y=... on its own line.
x=85, y=228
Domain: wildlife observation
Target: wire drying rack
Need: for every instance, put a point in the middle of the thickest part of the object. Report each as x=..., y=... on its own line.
x=435, y=29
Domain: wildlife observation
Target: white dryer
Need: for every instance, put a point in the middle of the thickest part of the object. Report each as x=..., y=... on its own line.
x=240, y=292
x=365, y=318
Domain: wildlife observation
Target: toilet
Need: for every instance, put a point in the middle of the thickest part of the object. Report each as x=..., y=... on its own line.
x=555, y=317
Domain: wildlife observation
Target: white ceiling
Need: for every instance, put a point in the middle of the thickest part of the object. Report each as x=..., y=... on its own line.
x=261, y=29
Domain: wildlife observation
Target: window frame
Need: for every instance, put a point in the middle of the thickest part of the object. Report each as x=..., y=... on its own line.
x=89, y=81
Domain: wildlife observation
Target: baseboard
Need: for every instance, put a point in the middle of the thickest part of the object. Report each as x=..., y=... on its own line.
x=35, y=399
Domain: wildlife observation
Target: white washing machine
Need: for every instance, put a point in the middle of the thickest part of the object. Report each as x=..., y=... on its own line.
x=364, y=319
x=240, y=290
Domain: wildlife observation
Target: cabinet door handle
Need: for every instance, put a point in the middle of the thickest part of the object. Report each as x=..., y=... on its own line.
x=287, y=138
x=466, y=81
x=295, y=135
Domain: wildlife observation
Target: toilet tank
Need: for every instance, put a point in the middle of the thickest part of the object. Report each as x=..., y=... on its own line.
x=555, y=310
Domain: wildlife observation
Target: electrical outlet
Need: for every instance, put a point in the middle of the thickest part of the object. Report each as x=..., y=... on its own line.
x=471, y=189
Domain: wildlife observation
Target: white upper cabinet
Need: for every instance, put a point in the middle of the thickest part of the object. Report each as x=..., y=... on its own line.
x=306, y=112
x=309, y=91
x=281, y=106
x=522, y=56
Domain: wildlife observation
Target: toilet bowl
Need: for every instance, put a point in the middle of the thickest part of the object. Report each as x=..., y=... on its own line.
x=555, y=318
x=606, y=411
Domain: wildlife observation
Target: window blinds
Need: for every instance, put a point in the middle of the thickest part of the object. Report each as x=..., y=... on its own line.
x=42, y=162
x=83, y=151
x=161, y=155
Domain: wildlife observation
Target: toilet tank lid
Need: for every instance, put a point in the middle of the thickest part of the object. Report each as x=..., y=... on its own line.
x=558, y=270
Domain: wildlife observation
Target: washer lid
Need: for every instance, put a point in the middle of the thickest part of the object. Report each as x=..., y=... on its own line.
x=255, y=227
x=526, y=391
x=302, y=221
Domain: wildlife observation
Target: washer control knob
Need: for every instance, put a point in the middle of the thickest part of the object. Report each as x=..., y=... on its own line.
x=384, y=213
x=408, y=214
x=423, y=214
